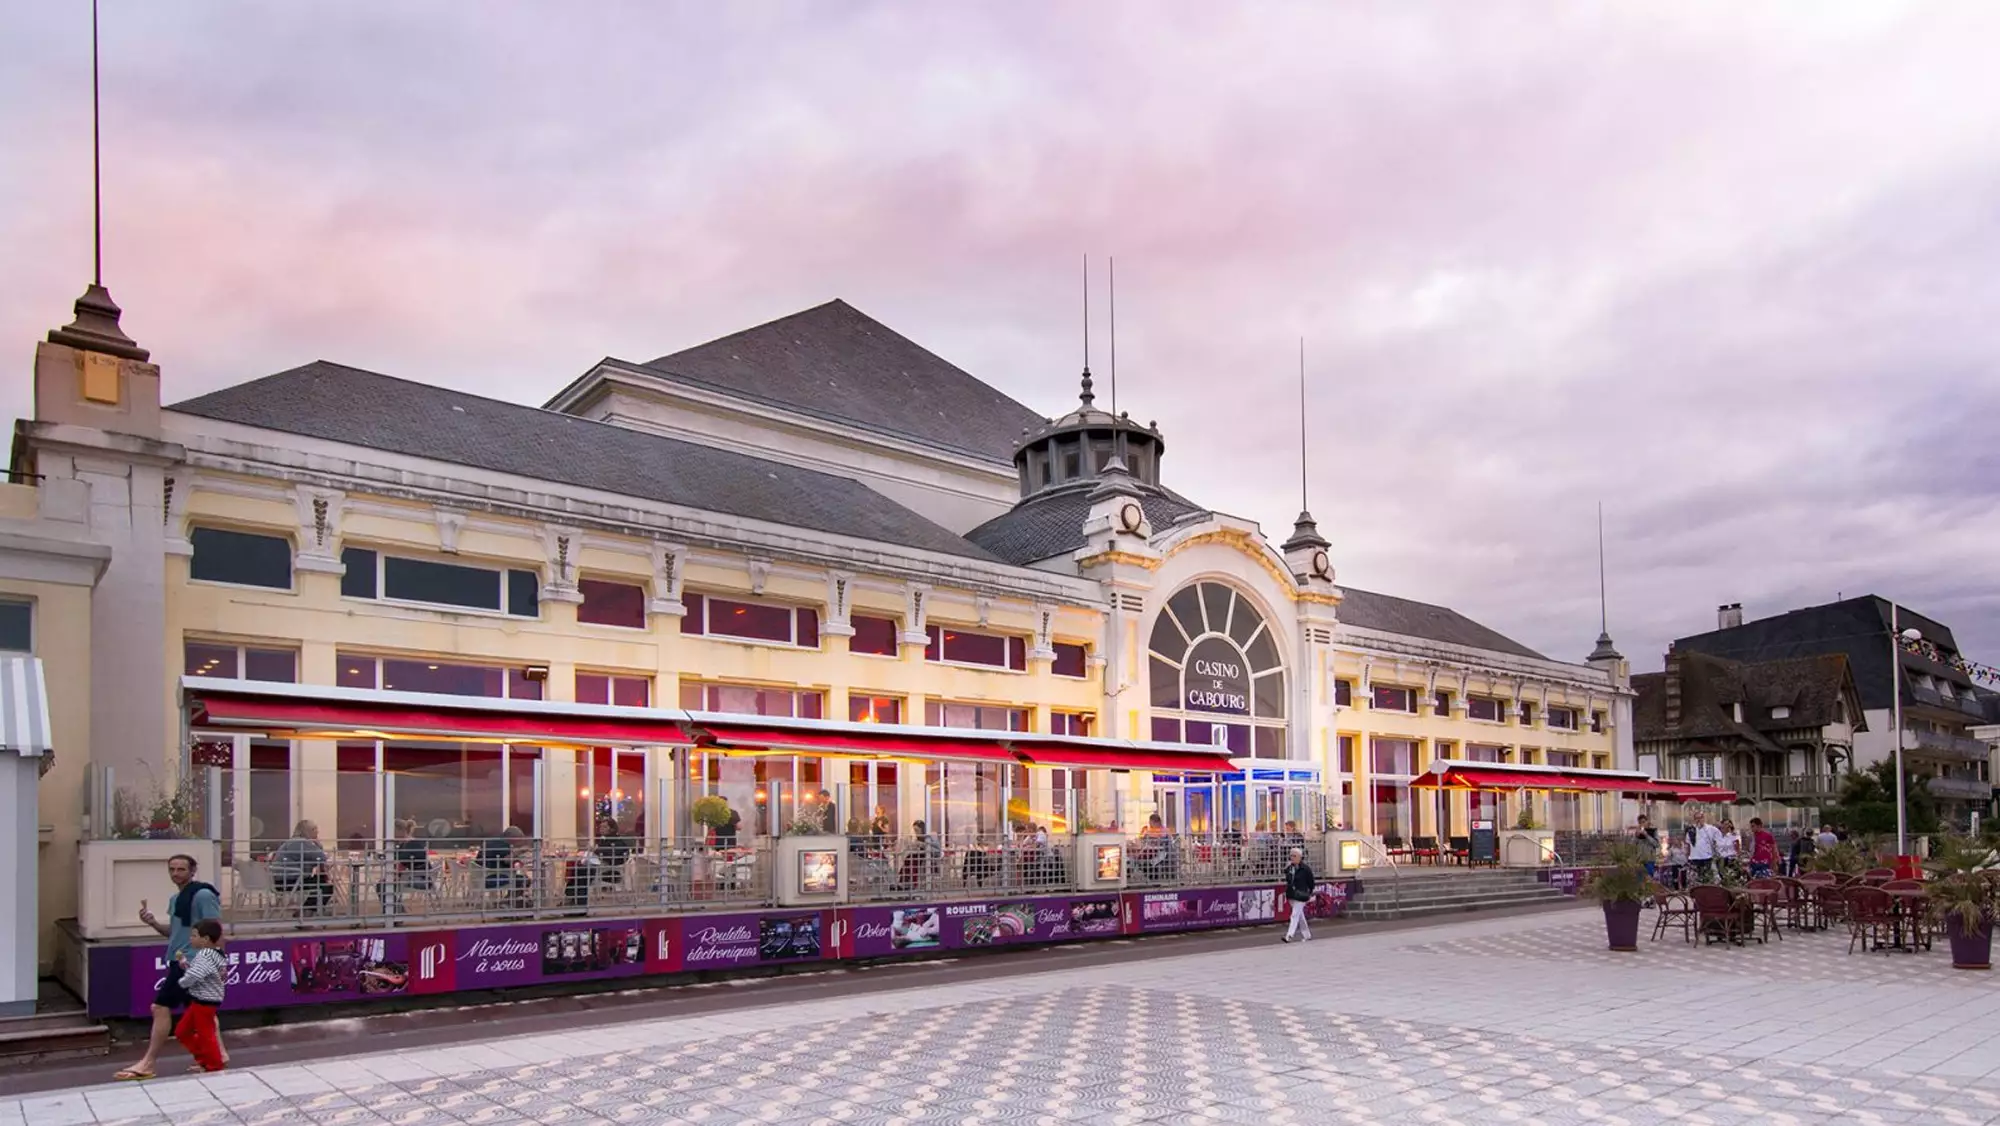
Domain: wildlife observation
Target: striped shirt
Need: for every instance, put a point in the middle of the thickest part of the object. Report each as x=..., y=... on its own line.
x=205, y=976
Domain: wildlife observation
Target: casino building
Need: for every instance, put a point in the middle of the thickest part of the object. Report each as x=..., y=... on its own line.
x=813, y=519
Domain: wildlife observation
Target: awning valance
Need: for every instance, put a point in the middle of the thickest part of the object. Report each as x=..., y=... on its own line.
x=435, y=718
x=1154, y=758
x=879, y=741
x=1667, y=790
x=24, y=708
x=1447, y=774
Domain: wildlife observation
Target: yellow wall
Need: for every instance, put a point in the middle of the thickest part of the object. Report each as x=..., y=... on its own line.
x=62, y=641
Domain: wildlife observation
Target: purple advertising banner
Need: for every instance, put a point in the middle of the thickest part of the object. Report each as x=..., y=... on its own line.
x=1569, y=881
x=875, y=932
x=721, y=942
x=1199, y=908
x=273, y=973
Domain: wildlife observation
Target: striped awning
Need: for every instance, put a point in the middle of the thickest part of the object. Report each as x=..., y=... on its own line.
x=24, y=708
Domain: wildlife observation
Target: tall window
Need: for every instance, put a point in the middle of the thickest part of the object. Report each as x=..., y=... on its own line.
x=874, y=709
x=240, y=559
x=1441, y=702
x=873, y=636
x=240, y=662
x=1071, y=660
x=1215, y=665
x=403, y=674
x=1343, y=693
x=751, y=621
x=1484, y=708
x=983, y=717
x=607, y=603
x=17, y=626
x=256, y=775
x=430, y=582
x=1562, y=718
x=1596, y=723
x=743, y=699
x=953, y=646
x=1346, y=745
x=1527, y=714
x=1389, y=698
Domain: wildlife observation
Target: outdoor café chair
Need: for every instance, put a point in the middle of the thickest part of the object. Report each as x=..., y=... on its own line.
x=1798, y=903
x=1459, y=849
x=1426, y=849
x=1716, y=913
x=1878, y=875
x=1672, y=909
x=1871, y=917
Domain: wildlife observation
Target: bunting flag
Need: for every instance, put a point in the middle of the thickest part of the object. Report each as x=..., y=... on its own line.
x=1973, y=669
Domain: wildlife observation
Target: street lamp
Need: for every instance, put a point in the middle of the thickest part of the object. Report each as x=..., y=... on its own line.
x=1896, y=638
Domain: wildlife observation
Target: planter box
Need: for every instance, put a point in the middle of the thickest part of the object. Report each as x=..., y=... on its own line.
x=1527, y=848
x=114, y=876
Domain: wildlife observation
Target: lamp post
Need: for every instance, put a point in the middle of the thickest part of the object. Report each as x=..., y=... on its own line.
x=1896, y=638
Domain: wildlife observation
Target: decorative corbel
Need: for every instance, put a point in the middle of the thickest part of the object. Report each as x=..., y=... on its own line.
x=319, y=529
x=562, y=547
x=983, y=607
x=450, y=523
x=839, y=618
x=914, y=620
x=1044, y=647
x=174, y=500
x=1364, y=688
x=668, y=562
x=1431, y=689
x=760, y=573
x=1463, y=702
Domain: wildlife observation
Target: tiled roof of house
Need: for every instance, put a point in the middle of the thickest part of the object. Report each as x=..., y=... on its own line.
x=1855, y=627
x=337, y=403
x=1390, y=614
x=835, y=362
x=1710, y=688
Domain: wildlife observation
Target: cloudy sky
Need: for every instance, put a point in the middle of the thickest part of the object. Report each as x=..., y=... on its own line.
x=1731, y=269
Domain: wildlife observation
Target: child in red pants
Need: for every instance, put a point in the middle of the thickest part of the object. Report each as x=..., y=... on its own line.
x=205, y=974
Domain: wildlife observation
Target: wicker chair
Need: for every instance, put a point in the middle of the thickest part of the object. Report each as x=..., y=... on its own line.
x=1672, y=909
x=1871, y=918
x=1716, y=913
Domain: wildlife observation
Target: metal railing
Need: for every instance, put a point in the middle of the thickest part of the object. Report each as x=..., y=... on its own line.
x=915, y=869
x=1586, y=850
x=291, y=884
x=1395, y=873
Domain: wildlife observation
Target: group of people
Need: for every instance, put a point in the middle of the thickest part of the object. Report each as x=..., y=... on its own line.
x=1704, y=852
x=196, y=977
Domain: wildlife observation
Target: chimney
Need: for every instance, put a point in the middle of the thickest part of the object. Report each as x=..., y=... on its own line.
x=1730, y=616
x=1672, y=685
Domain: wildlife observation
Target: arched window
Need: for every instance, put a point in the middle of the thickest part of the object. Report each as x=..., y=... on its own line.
x=1217, y=673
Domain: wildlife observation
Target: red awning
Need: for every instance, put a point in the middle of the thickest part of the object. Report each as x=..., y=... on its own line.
x=881, y=742
x=1683, y=792
x=1492, y=778
x=212, y=709
x=1600, y=785
x=1115, y=758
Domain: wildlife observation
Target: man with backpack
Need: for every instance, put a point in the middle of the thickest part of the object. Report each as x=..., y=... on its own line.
x=1299, y=885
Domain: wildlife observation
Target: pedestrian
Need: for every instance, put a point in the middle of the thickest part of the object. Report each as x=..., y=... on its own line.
x=205, y=977
x=1299, y=886
x=1704, y=840
x=1827, y=837
x=1728, y=847
x=1648, y=840
x=193, y=903
x=1763, y=849
x=1804, y=845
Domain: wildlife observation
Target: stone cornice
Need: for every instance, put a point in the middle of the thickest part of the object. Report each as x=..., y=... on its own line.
x=1377, y=647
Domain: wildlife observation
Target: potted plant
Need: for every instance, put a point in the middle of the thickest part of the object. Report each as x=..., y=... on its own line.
x=1622, y=888
x=711, y=812
x=1960, y=894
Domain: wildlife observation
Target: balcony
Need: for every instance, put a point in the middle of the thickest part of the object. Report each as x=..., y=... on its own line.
x=1960, y=789
x=1951, y=748
x=1802, y=789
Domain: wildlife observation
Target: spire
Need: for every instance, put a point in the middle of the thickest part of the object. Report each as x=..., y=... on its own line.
x=1088, y=396
x=95, y=327
x=1305, y=530
x=1605, y=650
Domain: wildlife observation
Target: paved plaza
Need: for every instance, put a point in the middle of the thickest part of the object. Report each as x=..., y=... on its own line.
x=1525, y=1019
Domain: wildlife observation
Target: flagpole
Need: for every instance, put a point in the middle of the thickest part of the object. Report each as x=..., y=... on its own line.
x=1896, y=705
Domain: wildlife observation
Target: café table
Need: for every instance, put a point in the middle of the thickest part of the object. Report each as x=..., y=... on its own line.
x=1764, y=904
x=1909, y=908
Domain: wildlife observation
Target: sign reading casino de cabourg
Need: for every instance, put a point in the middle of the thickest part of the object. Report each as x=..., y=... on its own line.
x=1217, y=678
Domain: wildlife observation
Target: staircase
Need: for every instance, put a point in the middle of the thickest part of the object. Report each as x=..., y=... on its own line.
x=46, y=1036
x=1441, y=891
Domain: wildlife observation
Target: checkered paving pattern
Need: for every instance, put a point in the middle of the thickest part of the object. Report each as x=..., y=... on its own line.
x=1511, y=1021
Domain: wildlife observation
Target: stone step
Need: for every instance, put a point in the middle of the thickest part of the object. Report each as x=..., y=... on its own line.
x=52, y=1035
x=1381, y=904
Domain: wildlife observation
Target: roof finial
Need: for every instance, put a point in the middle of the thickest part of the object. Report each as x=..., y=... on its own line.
x=95, y=327
x=1087, y=396
x=1114, y=337
x=1605, y=650
x=1303, y=506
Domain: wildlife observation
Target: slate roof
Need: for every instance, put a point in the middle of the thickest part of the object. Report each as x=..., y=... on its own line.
x=1855, y=627
x=1051, y=524
x=1710, y=687
x=337, y=403
x=835, y=362
x=1390, y=614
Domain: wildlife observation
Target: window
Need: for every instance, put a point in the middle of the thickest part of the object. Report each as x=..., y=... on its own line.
x=395, y=578
x=1444, y=749
x=982, y=717
x=1484, y=752
x=1527, y=714
x=611, y=604
x=1346, y=745
x=1563, y=718
x=743, y=699
x=1702, y=768
x=1565, y=758
x=1389, y=698
x=1071, y=660
x=1392, y=756
x=240, y=559
x=1483, y=708
x=234, y=662
x=875, y=709
x=751, y=621
x=1343, y=693
x=1781, y=712
x=876, y=636
x=1070, y=723
x=606, y=688
x=963, y=647
x=1212, y=656
x=1441, y=702
x=398, y=674
x=1597, y=723
x=17, y=626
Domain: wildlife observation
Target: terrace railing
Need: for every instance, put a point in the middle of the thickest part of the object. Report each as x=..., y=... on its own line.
x=913, y=870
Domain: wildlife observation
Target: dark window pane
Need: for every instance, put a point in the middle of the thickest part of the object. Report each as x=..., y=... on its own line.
x=873, y=635
x=1527, y=713
x=874, y=709
x=440, y=584
x=1166, y=730
x=1268, y=695
x=355, y=672
x=749, y=620
x=520, y=687
x=632, y=692
x=1071, y=660
x=1343, y=693
x=593, y=688
x=275, y=666
x=1263, y=651
x=218, y=661
x=1215, y=600
x=811, y=706
x=1166, y=684
x=241, y=558
x=1186, y=609
x=964, y=647
x=1270, y=743
x=1346, y=754
x=442, y=679
x=1168, y=640
x=808, y=629
x=1390, y=698
x=934, y=648
x=1017, y=654
x=612, y=604
x=358, y=580
x=1483, y=707
x=524, y=594
x=693, y=622
x=17, y=627
x=1441, y=703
